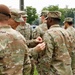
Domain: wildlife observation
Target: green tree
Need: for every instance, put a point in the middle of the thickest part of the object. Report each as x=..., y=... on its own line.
x=32, y=14
x=62, y=16
x=51, y=8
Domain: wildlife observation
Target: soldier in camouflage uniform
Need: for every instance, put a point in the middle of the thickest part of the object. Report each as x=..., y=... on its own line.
x=13, y=48
x=25, y=29
x=68, y=25
x=40, y=30
x=55, y=59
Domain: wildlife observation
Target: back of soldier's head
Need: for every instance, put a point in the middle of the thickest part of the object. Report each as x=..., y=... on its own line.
x=4, y=12
x=68, y=20
x=55, y=15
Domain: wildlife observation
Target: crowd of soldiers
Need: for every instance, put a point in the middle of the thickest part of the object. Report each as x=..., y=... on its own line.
x=49, y=47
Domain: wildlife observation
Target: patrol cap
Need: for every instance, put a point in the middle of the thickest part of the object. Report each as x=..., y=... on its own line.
x=44, y=13
x=4, y=10
x=23, y=14
x=54, y=14
x=68, y=19
x=15, y=14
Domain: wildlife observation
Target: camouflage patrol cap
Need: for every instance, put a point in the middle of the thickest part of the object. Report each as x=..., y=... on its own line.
x=44, y=13
x=4, y=10
x=68, y=19
x=54, y=14
x=23, y=13
x=16, y=15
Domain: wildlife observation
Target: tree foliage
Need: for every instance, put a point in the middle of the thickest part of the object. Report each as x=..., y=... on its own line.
x=51, y=8
x=32, y=14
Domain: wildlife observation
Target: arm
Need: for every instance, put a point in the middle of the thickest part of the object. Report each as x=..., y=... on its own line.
x=34, y=51
x=32, y=43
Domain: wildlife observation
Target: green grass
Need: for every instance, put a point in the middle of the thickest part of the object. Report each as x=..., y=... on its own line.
x=35, y=71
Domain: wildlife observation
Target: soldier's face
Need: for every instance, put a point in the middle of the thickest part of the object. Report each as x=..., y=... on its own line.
x=42, y=18
x=25, y=18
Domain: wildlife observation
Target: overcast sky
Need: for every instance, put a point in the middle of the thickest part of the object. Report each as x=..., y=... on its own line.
x=39, y=4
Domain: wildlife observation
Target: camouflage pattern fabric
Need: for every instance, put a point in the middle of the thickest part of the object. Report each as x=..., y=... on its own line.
x=40, y=30
x=55, y=59
x=14, y=58
x=71, y=32
x=25, y=30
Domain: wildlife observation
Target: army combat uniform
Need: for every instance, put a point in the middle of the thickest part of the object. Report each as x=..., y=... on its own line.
x=40, y=30
x=55, y=59
x=68, y=24
x=13, y=53
x=25, y=30
x=71, y=32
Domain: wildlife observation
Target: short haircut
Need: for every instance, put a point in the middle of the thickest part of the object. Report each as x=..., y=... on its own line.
x=3, y=17
x=70, y=23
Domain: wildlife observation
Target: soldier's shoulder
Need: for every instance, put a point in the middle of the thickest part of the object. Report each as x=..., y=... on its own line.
x=54, y=31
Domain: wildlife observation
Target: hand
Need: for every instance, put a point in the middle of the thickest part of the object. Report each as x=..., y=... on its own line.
x=38, y=39
x=40, y=47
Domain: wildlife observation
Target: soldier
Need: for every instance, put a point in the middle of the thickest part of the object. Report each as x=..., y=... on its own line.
x=55, y=59
x=40, y=30
x=68, y=25
x=14, y=53
x=24, y=28
x=13, y=50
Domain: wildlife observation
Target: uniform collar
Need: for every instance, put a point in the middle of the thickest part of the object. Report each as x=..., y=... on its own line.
x=54, y=26
x=5, y=26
